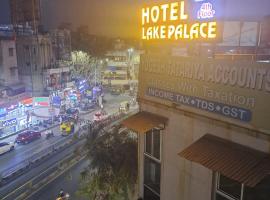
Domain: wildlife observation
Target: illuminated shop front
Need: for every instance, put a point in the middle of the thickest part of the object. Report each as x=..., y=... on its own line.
x=15, y=116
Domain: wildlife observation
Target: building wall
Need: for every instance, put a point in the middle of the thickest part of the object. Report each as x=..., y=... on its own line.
x=61, y=43
x=8, y=63
x=34, y=56
x=182, y=179
x=26, y=11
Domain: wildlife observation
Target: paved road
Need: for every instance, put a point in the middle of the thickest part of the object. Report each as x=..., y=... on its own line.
x=24, y=152
x=69, y=181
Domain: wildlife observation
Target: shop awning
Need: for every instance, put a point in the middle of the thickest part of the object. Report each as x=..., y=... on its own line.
x=143, y=122
x=235, y=161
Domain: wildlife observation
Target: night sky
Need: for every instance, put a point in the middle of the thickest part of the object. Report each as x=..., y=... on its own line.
x=122, y=17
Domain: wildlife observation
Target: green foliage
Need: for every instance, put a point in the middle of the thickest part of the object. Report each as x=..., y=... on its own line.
x=85, y=65
x=112, y=174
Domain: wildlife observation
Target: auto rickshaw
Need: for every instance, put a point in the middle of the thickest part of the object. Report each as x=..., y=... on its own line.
x=67, y=128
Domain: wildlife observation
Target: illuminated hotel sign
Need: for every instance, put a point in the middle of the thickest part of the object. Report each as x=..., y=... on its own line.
x=174, y=21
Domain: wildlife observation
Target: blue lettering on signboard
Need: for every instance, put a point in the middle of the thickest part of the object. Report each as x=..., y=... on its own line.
x=10, y=122
x=205, y=10
x=229, y=111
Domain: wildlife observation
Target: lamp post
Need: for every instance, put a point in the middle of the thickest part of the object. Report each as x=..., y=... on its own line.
x=130, y=52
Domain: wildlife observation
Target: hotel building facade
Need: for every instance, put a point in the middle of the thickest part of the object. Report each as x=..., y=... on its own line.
x=203, y=129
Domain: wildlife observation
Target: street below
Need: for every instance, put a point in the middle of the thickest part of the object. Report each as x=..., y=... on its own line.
x=24, y=152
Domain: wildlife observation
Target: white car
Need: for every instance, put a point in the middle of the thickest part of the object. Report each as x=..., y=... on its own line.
x=6, y=147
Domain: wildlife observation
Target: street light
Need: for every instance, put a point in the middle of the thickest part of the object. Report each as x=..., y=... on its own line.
x=130, y=52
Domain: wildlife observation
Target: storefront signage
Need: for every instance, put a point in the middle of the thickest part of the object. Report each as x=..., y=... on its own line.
x=202, y=104
x=41, y=101
x=10, y=122
x=56, y=101
x=237, y=92
x=174, y=21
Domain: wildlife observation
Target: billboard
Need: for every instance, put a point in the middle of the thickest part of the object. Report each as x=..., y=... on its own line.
x=235, y=92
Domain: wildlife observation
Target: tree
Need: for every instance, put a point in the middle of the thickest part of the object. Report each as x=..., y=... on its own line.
x=112, y=174
x=85, y=65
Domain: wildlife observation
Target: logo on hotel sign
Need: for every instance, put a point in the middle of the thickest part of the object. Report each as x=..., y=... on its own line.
x=206, y=11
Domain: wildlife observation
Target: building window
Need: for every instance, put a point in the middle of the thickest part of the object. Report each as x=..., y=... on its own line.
x=152, y=164
x=150, y=195
x=152, y=143
x=11, y=52
x=152, y=174
x=228, y=189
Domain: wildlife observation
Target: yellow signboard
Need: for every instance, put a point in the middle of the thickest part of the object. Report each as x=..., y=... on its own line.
x=172, y=21
x=236, y=92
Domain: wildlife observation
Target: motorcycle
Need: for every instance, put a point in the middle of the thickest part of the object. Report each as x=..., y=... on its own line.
x=49, y=134
x=63, y=196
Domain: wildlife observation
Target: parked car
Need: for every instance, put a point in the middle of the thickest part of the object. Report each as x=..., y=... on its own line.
x=34, y=128
x=87, y=106
x=48, y=121
x=6, y=147
x=27, y=136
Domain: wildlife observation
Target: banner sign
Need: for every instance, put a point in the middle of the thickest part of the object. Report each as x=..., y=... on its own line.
x=236, y=92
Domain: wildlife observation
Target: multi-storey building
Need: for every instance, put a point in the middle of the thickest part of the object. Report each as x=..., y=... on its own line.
x=203, y=121
x=117, y=72
x=12, y=91
x=122, y=68
x=8, y=61
x=61, y=44
x=203, y=129
x=35, y=56
x=26, y=12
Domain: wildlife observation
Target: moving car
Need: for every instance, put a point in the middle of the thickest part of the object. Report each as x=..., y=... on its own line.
x=6, y=147
x=115, y=91
x=73, y=112
x=99, y=116
x=27, y=136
